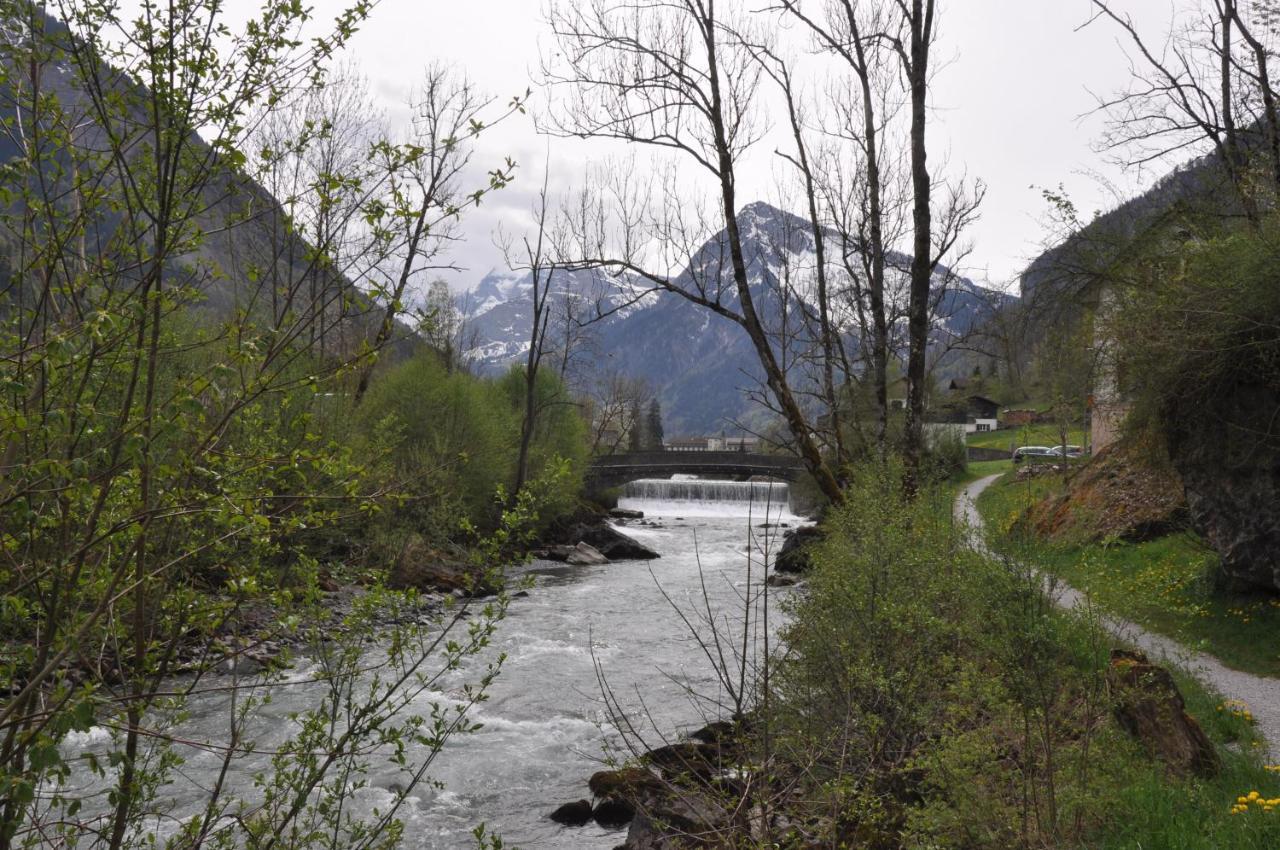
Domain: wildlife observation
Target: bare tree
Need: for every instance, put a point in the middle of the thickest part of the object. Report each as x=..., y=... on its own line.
x=858, y=34
x=536, y=256
x=675, y=76
x=610, y=402
x=417, y=217
x=1192, y=90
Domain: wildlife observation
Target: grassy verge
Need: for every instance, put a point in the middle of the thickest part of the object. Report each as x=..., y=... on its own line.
x=982, y=468
x=932, y=697
x=1164, y=584
x=1028, y=435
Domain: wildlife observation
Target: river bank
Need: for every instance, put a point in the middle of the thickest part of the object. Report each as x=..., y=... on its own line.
x=569, y=633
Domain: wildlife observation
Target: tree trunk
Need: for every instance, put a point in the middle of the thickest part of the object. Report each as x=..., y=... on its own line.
x=774, y=377
x=921, y=262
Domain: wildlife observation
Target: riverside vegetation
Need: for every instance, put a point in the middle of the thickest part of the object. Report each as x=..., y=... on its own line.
x=217, y=432
x=226, y=444
x=932, y=696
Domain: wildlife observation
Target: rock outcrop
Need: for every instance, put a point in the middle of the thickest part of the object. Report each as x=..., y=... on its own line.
x=1128, y=491
x=1149, y=706
x=1237, y=511
x=794, y=557
x=673, y=792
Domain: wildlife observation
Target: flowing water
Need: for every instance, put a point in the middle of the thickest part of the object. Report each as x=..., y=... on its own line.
x=546, y=725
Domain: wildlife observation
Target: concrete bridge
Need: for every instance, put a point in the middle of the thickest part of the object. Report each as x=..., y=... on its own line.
x=615, y=470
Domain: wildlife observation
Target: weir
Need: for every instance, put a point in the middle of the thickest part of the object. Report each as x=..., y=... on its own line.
x=774, y=493
x=768, y=500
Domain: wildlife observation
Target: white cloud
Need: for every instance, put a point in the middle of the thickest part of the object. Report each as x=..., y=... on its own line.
x=1008, y=107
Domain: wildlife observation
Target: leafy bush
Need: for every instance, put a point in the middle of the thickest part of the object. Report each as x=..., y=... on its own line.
x=1199, y=335
x=934, y=697
x=448, y=439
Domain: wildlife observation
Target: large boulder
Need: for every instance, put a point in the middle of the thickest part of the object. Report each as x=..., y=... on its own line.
x=420, y=567
x=614, y=812
x=612, y=543
x=577, y=813
x=624, y=782
x=793, y=557
x=666, y=822
x=1238, y=513
x=1149, y=706
x=584, y=555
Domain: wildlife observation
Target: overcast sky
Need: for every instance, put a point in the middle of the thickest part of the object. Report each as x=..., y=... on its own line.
x=1011, y=107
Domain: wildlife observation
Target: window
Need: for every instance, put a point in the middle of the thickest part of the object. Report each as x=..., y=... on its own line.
x=984, y=426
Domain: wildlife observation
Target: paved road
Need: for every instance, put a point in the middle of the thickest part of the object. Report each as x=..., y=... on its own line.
x=1261, y=693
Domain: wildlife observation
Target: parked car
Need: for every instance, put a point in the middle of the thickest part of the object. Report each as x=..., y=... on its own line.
x=1068, y=451
x=1024, y=452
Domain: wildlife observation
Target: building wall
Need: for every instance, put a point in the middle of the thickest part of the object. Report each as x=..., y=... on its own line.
x=977, y=425
x=1105, y=422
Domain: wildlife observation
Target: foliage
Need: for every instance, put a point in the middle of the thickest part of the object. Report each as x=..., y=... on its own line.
x=1166, y=584
x=934, y=697
x=448, y=439
x=1198, y=329
x=559, y=428
x=178, y=353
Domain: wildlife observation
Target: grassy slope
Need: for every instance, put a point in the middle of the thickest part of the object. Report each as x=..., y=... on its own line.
x=1030, y=435
x=1162, y=584
x=1150, y=811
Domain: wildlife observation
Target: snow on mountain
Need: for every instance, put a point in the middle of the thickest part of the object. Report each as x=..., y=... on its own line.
x=701, y=364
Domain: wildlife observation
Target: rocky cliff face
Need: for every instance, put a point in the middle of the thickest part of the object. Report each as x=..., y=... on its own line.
x=1230, y=468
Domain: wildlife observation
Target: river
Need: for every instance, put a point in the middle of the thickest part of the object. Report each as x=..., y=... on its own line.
x=546, y=725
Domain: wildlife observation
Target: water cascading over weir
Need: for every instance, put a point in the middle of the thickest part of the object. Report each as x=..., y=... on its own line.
x=702, y=496
x=693, y=490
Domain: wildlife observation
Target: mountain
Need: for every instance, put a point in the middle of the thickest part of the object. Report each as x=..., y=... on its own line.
x=702, y=365
x=249, y=245
x=1066, y=276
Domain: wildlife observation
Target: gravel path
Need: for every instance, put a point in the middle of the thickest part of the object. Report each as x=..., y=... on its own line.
x=1261, y=693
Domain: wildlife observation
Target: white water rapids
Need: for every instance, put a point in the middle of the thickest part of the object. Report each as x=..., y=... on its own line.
x=546, y=725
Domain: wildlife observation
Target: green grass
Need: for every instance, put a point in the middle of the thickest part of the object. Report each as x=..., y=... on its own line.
x=1160, y=584
x=1164, y=584
x=1029, y=435
x=982, y=468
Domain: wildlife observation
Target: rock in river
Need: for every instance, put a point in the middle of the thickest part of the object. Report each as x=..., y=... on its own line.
x=794, y=555
x=613, y=544
x=585, y=555
x=573, y=814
